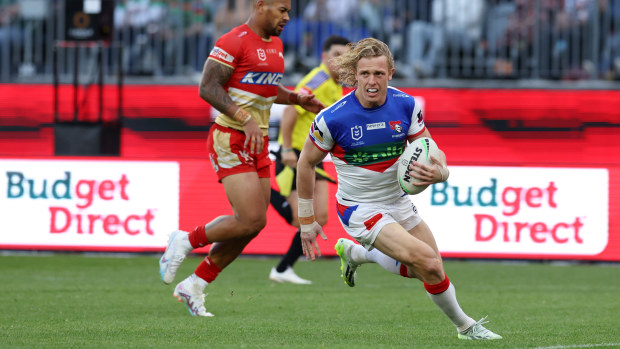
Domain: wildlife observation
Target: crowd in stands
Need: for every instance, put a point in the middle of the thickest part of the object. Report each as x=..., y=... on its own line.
x=545, y=39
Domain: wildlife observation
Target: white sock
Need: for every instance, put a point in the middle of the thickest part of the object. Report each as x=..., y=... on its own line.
x=446, y=301
x=360, y=255
x=185, y=244
x=197, y=283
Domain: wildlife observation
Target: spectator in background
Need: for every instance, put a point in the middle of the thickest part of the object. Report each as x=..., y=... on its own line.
x=572, y=37
x=334, y=11
x=422, y=34
x=11, y=35
x=323, y=18
x=609, y=66
x=141, y=23
x=188, y=35
x=455, y=30
x=493, y=38
x=373, y=15
x=230, y=14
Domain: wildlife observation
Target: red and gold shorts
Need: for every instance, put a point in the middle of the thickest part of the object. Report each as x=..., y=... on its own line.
x=228, y=157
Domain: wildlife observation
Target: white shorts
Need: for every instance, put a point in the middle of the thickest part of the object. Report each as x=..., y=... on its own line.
x=364, y=221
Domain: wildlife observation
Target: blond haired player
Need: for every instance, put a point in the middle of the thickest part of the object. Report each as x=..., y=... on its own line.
x=365, y=133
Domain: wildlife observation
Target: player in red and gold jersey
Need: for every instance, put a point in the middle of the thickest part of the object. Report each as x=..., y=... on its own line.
x=241, y=79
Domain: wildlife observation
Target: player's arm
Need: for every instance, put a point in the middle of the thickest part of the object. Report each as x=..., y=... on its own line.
x=308, y=102
x=214, y=76
x=437, y=173
x=310, y=157
x=287, y=124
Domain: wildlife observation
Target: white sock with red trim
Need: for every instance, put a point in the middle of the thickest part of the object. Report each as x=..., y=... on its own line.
x=443, y=295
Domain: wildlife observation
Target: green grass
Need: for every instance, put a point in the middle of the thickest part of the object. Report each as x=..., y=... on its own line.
x=76, y=301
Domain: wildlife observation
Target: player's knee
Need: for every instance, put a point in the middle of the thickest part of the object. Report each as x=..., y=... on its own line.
x=257, y=225
x=252, y=225
x=433, y=267
x=424, y=265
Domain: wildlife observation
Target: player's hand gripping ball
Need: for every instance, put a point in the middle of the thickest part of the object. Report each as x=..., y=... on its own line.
x=419, y=150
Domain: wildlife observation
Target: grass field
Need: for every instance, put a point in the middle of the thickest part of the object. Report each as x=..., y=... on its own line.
x=76, y=301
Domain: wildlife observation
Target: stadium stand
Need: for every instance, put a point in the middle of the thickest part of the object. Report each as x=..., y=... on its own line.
x=538, y=69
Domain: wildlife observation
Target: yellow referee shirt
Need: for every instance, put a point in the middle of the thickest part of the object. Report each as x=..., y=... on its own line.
x=320, y=83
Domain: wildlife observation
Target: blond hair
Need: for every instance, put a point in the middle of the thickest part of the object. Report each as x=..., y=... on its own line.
x=370, y=47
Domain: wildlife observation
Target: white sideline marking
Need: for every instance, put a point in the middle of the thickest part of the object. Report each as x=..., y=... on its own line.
x=581, y=346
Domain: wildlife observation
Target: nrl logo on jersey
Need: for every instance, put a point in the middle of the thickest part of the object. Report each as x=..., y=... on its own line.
x=356, y=132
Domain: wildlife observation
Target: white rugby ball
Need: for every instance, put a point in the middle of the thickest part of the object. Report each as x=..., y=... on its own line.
x=419, y=150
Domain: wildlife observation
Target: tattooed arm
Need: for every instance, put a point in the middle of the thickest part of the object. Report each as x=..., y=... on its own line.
x=214, y=77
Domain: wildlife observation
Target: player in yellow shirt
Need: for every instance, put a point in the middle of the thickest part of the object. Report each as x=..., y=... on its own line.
x=322, y=81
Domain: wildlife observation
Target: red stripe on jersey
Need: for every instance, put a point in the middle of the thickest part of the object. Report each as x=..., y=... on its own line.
x=417, y=134
x=338, y=152
x=380, y=166
x=318, y=146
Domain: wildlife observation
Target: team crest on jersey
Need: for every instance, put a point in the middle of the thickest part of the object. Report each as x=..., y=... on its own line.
x=261, y=54
x=420, y=117
x=356, y=132
x=395, y=125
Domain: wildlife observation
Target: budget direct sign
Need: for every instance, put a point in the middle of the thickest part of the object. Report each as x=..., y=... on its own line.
x=88, y=205
x=517, y=210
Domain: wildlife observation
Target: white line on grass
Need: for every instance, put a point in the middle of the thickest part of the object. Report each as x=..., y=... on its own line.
x=581, y=346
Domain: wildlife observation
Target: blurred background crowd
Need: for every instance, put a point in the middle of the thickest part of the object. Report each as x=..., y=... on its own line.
x=554, y=40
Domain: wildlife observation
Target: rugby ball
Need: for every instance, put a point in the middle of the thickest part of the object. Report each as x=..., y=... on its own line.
x=419, y=150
